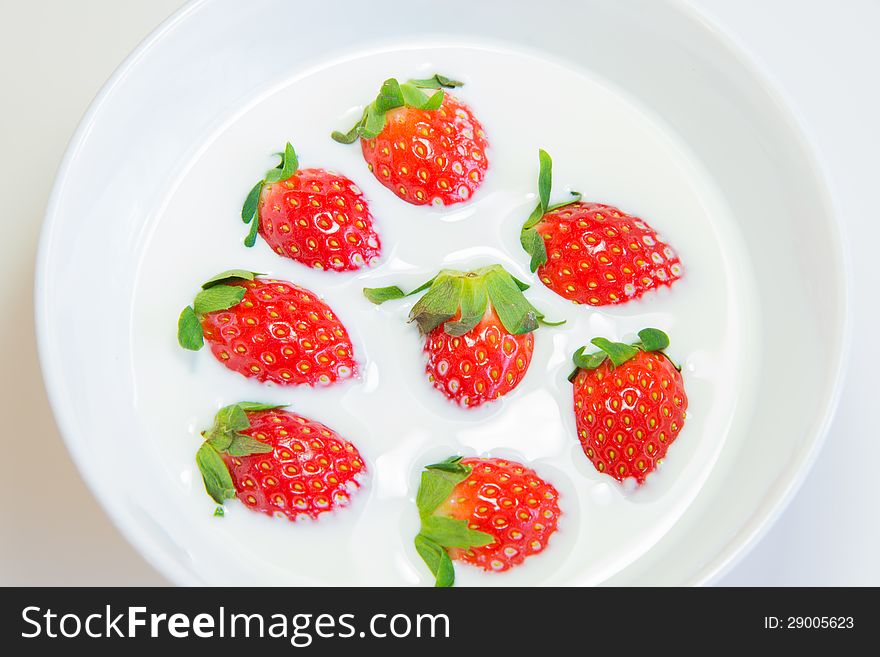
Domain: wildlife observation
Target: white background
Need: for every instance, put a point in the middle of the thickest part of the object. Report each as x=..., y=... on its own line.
x=55, y=55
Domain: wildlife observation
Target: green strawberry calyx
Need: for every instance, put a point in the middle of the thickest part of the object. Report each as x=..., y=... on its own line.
x=250, y=211
x=470, y=292
x=439, y=532
x=392, y=95
x=215, y=295
x=226, y=437
x=530, y=238
x=650, y=339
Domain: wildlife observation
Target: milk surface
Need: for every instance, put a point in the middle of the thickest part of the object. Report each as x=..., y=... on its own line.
x=604, y=145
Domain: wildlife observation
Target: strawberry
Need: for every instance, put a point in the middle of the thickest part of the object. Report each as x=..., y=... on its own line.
x=455, y=362
x=491, y=513
x=629, y=404
x=424, y=149
x=593, y=253
x=277, y=462
x=268, y=329
x=316, y=217
x=478, y=331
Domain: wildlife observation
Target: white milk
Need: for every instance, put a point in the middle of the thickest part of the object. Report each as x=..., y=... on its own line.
x=604, y=145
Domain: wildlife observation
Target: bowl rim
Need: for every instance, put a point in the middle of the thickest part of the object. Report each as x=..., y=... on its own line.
x=768, y=514
x=736, y=548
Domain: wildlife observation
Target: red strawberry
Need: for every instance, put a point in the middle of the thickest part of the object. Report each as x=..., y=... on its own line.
x=424, y=149
x=593, y=253
x=277, y=462
x=491, y=513
x=477, y=327
x=629, y=404
x=268, y=329
x=316, y=217
x=482, y=365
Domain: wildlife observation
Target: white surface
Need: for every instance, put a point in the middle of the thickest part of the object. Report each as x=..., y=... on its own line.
x=26, y=563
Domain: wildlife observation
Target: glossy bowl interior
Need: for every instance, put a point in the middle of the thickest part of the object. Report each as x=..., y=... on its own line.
x=216, y=55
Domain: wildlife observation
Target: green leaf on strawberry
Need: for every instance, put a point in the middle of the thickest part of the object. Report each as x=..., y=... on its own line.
x=352, y=135
x=520, y=284
x=413, y=96
x=392, y=95
x=286, y=168
x=651, y=339
x=373, y=123
x=229, y=276
x=451, y=465
x=545, y=178
x=439, y=532
x=380, y=295
x=231, y=418
x=189, y=330
x=251, y=203
x=439, y=305
x=449, y=532
x=533, y=243
x=474, y=300
x=516, y=314
x=217, y=297
x=214, y=296
x=588, y=361
x=437, y=81
x=530, y=239
x=251, y=209
x=437, y=560
x=215, y=474
x=219, y=441
x=245, y=445
x=437, y=483
x=618, y=352
x=258, y=406
x=467, y=294
x=433, y=102
x=225, y=437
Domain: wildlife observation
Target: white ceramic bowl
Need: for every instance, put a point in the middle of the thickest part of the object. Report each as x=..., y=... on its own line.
x=214, y=55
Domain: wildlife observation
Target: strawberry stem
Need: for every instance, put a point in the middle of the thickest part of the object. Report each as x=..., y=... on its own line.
x=530, y=238
x=650, y=339
x=250, y=210
x=467, y=294
x=438, y=532
x=215, y=295
x=392, y=95
x=436, y=82
x=226, y=437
